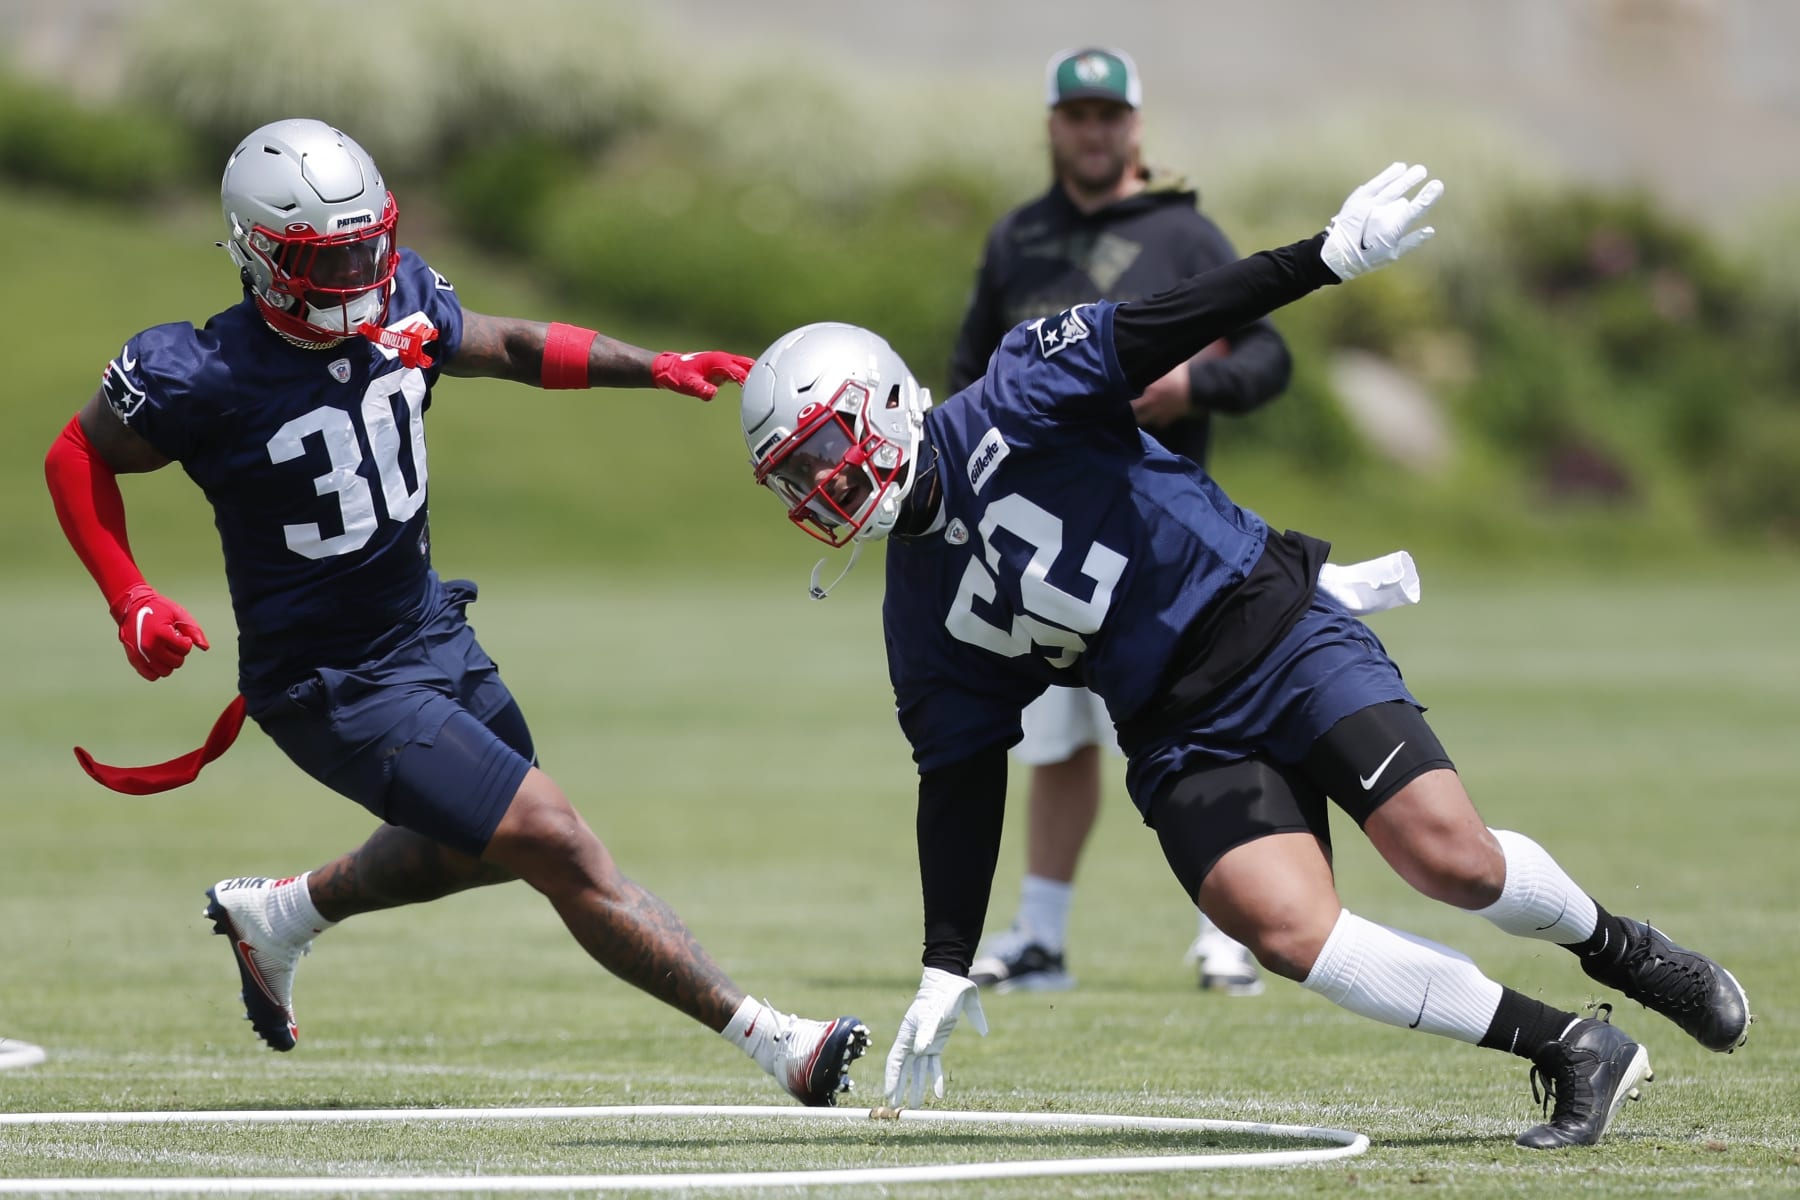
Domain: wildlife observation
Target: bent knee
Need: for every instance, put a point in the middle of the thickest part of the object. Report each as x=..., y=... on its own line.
x=1291, y=946
x=1467, y=872
x=545, y=842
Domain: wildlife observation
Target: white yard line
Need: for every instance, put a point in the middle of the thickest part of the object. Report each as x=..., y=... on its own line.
x=1340, y=1143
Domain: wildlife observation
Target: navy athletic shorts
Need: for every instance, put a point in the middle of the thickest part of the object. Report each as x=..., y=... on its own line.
x=426, y=737
x=1328, y=666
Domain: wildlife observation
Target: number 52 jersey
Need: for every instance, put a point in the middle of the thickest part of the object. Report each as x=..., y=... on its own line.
x=314, y=463
x=1070, y=548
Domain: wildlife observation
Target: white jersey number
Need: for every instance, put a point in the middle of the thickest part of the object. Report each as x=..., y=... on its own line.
x=1042, y=600
x=356, y=502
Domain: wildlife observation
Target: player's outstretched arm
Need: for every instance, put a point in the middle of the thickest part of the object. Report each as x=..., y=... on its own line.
x=567, y=356
x=81, y=469
x=1377, y=225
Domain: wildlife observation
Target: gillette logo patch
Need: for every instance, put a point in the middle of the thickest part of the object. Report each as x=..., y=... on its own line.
x=990, y=452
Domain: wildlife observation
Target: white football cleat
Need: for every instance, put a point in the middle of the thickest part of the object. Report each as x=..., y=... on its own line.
x=238, y=909
x=812, y=1058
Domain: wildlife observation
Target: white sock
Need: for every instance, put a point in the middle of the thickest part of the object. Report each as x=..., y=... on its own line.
x=291, y=914
x=753, y=1029
x=1044, y=911
x=1539, y=900
x=1399, y=979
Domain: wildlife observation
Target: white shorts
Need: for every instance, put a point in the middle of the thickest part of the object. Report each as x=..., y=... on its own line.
x=1062, y=721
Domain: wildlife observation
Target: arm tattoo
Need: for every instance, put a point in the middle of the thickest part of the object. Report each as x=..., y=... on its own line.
x=499, y=348
x=511, y=348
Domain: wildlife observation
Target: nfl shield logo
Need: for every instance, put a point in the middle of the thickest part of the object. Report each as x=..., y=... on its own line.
x=958, y=533
x=340, y=370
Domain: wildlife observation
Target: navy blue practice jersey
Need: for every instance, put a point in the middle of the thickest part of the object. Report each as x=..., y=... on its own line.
x=314, y=462
x=1071, y=548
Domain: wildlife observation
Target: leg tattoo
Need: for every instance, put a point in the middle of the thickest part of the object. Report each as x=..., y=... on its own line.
x=396, y=867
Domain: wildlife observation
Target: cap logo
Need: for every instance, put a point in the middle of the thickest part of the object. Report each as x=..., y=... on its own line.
x=1093, y=69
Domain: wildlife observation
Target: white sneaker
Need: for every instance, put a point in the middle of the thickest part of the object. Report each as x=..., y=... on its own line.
x=14, y=1053
x=1225, y=965
x=238, y=908
x=812, y=1058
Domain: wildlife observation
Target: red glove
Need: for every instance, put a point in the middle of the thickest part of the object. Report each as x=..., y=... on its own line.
x=157, y=633
x=698, y=374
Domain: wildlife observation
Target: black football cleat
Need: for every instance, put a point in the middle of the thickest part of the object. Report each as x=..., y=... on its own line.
x=1687, y=987
x=1581, y=1079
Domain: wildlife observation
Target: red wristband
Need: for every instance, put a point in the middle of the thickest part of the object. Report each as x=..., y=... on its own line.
x=566, y=355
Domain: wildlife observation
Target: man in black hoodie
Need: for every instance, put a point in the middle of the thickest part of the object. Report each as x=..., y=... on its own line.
x=1108, y=228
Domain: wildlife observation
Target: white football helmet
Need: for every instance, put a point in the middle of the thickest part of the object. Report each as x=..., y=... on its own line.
x=833, y=419
x=311, y=229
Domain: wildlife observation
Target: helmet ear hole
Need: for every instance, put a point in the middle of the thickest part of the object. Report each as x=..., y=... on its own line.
x=893, y=397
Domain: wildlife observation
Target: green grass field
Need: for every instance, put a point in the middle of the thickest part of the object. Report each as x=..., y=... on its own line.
x=734, y=745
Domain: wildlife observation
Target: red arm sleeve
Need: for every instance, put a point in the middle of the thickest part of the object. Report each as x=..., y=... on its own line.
x=92, y=513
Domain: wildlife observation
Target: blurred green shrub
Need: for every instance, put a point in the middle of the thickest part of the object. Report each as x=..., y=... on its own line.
x=48, y=139
x=747, y=263
x=1615, y=334
x=420, y=82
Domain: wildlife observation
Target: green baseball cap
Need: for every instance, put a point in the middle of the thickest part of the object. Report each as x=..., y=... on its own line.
x=1093, y=72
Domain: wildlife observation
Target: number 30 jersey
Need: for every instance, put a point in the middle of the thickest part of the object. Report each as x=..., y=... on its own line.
x=1070, y=548
x=314, y=463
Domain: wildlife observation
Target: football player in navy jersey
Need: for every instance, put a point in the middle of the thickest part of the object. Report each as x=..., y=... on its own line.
x=1038, y=538
x=300, y=413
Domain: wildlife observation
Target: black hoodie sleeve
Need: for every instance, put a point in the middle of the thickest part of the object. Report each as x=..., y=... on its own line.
x=1255, y=372
x=1155, y=335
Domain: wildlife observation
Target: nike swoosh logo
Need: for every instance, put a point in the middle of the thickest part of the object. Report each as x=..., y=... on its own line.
x=753, y=1021
x=1558, y=917
x=142, y=614
x=1421, y=1016
x=127, y=363
x=691, y=357
x=1369, y=780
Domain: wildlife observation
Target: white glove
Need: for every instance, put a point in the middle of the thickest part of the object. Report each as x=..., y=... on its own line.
x=916, y=1061
x=1370, y=230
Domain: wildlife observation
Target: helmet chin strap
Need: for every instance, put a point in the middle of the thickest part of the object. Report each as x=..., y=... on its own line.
x=819, y=593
